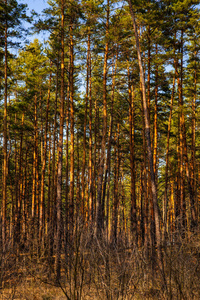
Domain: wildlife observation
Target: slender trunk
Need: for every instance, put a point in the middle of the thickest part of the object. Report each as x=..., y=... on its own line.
x=14, y=204
x=154, y=146
x=193, y=148
x=4, y=192
x=182, y=167
x=25, y=204
x=123, y=197
x=20, y=183
x=165, y=204
x=144, y=200
x=155, y=136
x=71, y=82
x=14, y=196
x=99, y=220
x=60, y=154
x=165, y=201
x=116, y=185
x=27, y=192
x=53, y=195
x=107, y=169
x=91, y=191
x=108, y=207
x=78, y=184
x=178, y=194
x=171, y=221
x=42, y=202
x=149, y=71
x=48, y=217
x=33, y=205
x=37, y=182
x=84, y=133
x=96, y=125
x=141, y=216
x=132, y=155
x=67, y=178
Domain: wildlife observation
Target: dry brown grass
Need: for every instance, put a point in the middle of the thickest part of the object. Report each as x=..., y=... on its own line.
x=97, y=270
x=32, y=290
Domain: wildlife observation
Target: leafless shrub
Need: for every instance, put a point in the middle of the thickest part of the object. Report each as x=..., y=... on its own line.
x=96, y=268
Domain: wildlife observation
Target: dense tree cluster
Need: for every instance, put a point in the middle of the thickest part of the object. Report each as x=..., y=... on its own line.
x=100, y=125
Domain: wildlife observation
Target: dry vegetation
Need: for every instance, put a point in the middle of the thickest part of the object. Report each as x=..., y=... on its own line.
x=97, y=269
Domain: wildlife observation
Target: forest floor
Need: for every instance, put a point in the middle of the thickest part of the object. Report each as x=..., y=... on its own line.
x=34, y=289
x=99, y=271
x=40, y=291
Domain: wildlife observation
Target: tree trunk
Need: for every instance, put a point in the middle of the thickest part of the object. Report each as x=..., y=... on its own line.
x=193, y=147
x=35, y=163
x=84, y=133
x=155, y=135
x=149, y=151
x=66, y=235
x=20, y=188
x=60, y=154
x=96, y=125
x=132, y=156
x=108, y=159
x=4, y=192
x=71, y=82
x=116, y=185
x=165, y=204
x=42, y=200
x=91, y=190
x=165, y=201
x=53, y=195
x=144, y=200
x=99, y=220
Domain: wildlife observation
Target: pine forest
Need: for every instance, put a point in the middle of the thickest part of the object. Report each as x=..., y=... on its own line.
x=100, y=150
